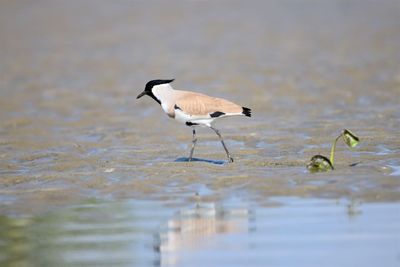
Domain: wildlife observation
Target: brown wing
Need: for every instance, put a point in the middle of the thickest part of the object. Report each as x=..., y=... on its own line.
x=199, y=104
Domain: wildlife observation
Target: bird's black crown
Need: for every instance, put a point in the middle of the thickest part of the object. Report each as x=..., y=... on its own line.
x=152, y=83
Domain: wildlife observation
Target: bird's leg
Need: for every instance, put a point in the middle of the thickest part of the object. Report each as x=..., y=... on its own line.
x=230, y=159
x=194, y=140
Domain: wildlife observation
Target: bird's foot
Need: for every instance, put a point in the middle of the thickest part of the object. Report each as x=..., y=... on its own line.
x=230, y=159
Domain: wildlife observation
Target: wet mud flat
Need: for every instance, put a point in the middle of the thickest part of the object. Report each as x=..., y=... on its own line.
x=71, y=127
x=72, y=132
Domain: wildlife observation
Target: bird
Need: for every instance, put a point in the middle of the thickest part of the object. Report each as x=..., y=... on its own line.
x=193, y=109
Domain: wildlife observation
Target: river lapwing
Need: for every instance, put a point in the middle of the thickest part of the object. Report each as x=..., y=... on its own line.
x=193, y=109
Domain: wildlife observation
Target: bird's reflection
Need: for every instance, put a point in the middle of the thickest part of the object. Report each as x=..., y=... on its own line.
x=197, y=228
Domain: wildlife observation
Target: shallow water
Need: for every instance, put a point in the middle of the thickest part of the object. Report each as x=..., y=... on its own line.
x=287, y=232
x=72, y=132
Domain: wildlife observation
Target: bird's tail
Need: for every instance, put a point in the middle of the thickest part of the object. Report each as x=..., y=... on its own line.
x=246, y=111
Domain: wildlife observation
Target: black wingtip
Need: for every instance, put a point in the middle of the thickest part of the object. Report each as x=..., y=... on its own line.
x=246, y=111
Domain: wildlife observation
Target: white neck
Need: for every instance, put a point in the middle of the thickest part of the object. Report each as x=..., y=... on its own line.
x=164, y=92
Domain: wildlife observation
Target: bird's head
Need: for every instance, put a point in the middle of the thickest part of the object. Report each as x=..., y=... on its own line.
x=148, y=90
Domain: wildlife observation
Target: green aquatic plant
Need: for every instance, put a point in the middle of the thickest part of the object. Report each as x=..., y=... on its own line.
x=349, y=139
x=319, y=163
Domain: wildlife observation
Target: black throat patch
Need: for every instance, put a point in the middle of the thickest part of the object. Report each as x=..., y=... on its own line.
x=154, y=97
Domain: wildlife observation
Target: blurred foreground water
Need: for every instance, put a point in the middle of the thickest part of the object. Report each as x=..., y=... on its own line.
x=90, y=176
x=231, y=233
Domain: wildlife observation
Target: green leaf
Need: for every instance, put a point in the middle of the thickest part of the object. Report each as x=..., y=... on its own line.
x=319, y=163
x=349, y=138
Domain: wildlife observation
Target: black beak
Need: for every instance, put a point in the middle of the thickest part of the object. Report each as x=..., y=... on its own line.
x=141, y=94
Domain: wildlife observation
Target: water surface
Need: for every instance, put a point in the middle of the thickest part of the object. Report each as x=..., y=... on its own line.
x=290, y=231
